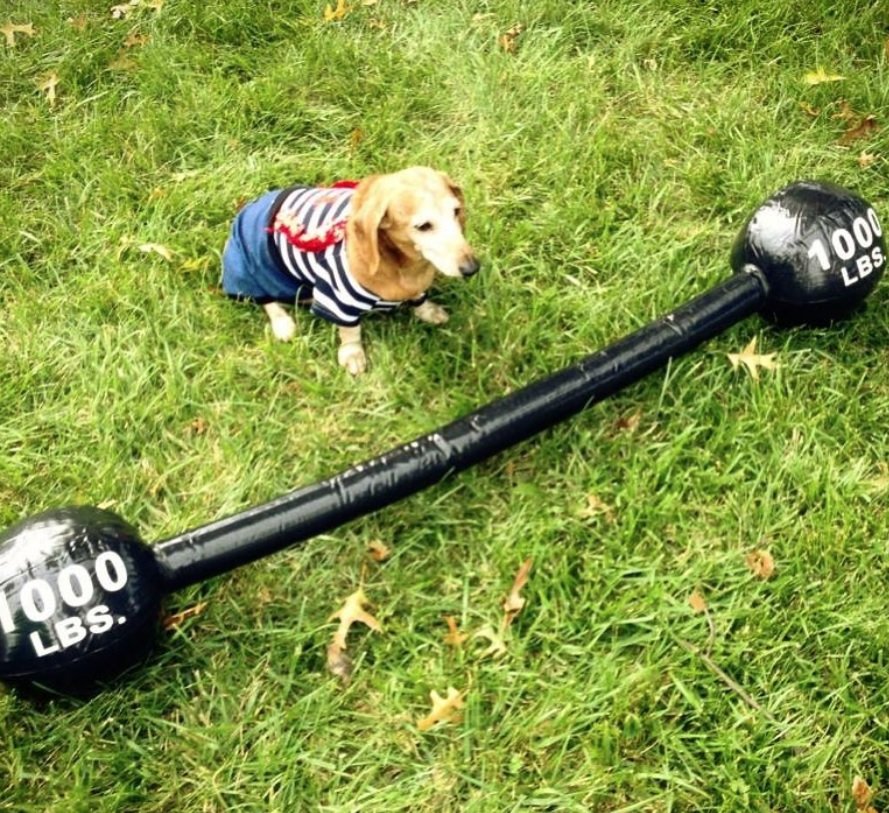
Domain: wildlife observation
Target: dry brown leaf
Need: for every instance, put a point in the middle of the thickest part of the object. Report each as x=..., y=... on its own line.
x=454, y=637
x=867, y=159
x=509, y=39
x=862, y=129
x=761, y=564
x=845, y=113
x=697, y=602
x=156, y=248
x=120, y=11
x=47, y=86
x=176, y=620
x=496, y=645
x=9, y=30
x=809, y=110
x=355, y=138
x=135, y=40
x=353, y=612
x=198, y=426
x=332, y=14
x=753, y=360
x=378, y=551
x=78, y=23
x=596, y=508
x=444, y=709
x=861, y=795
x=628, y=423
x=820, y=76
x=513, y=603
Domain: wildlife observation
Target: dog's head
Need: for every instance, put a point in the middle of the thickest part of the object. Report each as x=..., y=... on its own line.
x=410, y=221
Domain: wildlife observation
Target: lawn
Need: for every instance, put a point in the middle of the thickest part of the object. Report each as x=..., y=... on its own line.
x=704, y=619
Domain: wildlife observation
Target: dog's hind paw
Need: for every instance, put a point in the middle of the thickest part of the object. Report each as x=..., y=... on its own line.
x=283, y=327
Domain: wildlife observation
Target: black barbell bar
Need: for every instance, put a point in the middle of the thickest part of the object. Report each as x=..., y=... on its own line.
x=80, y=592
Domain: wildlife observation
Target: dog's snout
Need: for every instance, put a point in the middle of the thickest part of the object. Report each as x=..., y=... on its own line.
x=470, y=267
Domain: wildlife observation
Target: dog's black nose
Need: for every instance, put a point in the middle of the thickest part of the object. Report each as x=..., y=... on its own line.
x=470, y=267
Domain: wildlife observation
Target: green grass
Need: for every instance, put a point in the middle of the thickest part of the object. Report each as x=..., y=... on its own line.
x=608, y=164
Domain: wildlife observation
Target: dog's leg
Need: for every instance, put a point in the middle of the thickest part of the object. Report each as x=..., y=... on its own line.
x=431, y=313
x=283, y=326
x=351, y=352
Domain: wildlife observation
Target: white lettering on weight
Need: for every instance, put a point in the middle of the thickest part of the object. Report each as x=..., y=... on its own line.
x=846, y=244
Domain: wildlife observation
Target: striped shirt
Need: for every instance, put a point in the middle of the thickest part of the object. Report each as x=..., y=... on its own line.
x=315, y=218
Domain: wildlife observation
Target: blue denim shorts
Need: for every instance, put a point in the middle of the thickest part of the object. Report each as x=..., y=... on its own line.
x=250, y=268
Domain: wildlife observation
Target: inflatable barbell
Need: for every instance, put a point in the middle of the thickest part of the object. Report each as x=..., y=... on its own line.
x=80, y=592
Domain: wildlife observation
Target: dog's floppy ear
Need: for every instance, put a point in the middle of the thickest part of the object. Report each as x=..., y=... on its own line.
x=457, y=192
x=368, y=216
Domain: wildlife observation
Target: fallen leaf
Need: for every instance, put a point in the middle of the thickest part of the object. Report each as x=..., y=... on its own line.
x=509, y=39
x=9, y=30
x=867, y=159
x=845, y=113
x=444, y=709
x=120, y=11
x=135, y=40
x=862, y=129
x=861, y=795
x=761, y=564
x=78, y=23
x=595, y=508
x=332, y=14
x=176, y=620
x=820, y=76
x=353, y=612
x=628, y=423
x=809, y=110
x=513, y=603
x=752, y=360
x=454, y=637
x=157, y=248
x=697, y=602
x=378, y=551
x=496, y=646
x=198, y=426
x=355, y=138
x=47, y=86
x=338, y=662
x=155, y=5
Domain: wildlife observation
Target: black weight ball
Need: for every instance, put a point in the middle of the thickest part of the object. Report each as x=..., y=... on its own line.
x=819, y=246
x=79, y=597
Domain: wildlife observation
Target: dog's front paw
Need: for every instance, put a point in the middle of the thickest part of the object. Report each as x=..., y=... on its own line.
x=283, y=327
x=431, y=313
x=352, y=357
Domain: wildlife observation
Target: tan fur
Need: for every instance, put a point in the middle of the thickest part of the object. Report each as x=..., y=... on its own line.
x=382, y=251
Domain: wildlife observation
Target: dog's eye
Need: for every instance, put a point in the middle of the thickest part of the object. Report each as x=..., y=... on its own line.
x=457, y=212
x=427, y=226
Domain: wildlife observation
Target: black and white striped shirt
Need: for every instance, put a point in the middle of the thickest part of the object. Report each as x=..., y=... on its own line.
x=308, y=230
